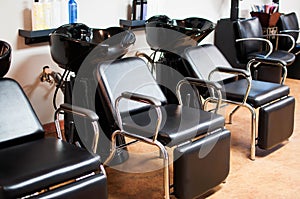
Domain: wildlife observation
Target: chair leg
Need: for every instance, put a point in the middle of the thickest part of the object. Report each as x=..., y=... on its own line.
x=163, y=152
x=165, y=156
x=253, y=131
x=231, y=114
x=113, y=147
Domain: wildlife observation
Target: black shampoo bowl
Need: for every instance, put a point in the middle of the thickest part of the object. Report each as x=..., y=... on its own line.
x=173, y=35
x=70, y=44
x=5, y=57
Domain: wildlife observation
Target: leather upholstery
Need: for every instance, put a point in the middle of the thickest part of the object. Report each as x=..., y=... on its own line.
x=276, y=123
x=271, y=98
x=260, y=93
x=93, y=188
x=31, y=163
x=278, y=54
x=181, y=124
x=201, y=60
x=26, y=126
x=36, y=165
x=288, y=22
x=191, y=179
x=117, y=77
x=207, y=57
x=251, y=28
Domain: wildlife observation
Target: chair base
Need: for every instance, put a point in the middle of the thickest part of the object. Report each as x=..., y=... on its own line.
x=276, y=123
x=293, y=71
x=201, y=165
x=91, y=187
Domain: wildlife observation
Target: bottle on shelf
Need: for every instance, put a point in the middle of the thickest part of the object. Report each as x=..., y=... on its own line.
x=56, y=19
x=72, y=11
x=47, y=12
x=37, y=15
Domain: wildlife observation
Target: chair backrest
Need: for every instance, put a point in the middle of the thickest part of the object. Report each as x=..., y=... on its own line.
x=248, y=28
x=288, y=22
x=129, y=74
x=202, y=59
x=18, y=121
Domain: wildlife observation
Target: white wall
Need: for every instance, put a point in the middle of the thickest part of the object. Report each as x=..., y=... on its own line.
x=27, y=61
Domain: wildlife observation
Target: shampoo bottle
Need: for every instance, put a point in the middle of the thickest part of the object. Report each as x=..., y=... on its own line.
x=72, y=11
x=56, y=14
x=37, y=16
x=47, y=12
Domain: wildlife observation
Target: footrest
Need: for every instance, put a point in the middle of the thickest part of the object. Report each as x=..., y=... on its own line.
x=92, y=187
x=276, y=123
x=201, y=165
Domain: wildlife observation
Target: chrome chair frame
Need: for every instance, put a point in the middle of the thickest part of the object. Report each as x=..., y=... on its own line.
x=157, y=104
x=44, y=177
x=246, y=74
x=271, y=48
x=84, y=113
x=254, y=112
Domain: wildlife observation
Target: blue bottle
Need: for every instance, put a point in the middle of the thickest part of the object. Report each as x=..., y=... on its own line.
x=72, y=11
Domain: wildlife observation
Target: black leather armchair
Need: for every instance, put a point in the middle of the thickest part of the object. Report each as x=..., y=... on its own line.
x=288, y=24
x=271, y=107
x=140, y=111
x=252, y=43
x=33, y=166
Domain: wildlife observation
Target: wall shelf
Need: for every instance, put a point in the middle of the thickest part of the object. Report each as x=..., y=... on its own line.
x=132, y=23
x=37, y=36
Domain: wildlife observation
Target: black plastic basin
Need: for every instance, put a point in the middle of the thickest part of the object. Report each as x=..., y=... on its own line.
x=70, y=44
x=5, y=57
x=165, y=34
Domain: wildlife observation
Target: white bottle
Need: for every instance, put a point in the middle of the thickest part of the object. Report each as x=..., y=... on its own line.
x=56, y=14
x=47, y=9
x=37, y=15
x=64, y=12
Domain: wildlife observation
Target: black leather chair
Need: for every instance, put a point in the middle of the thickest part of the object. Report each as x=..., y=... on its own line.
x=5, y=57
x=253, y=43
x=138, y=109
x=288, y=24
x=271, y=106
x=33, y=166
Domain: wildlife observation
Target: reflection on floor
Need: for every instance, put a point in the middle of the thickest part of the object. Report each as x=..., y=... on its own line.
x=272, y=175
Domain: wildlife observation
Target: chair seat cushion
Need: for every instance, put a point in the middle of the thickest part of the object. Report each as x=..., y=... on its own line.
x=180, y=123
x=261, y=92
x=28, y=167
x=289, y=58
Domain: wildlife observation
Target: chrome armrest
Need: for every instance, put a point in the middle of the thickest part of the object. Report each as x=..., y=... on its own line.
x=82, y=112
x=143, y=99
x=245, y=73
x=284, y=35
x=289, y=31
x=200, y=83
x=277, y=62
x=235, y=71
x=258, y=39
